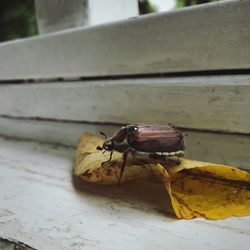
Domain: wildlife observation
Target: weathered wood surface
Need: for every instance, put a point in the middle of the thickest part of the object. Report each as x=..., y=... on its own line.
x=212, y=103
x=207, y=37
x=230, y=149
x=41, y=206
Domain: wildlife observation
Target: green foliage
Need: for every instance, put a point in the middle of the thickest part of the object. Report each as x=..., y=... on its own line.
x=183, y=3
x=17, y=19
x=146, y=7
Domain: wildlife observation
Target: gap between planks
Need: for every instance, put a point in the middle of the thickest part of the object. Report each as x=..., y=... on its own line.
x=221, y=98
x=230, y=149
x=128, y=47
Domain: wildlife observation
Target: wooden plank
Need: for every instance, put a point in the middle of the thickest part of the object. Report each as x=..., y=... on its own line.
x=62, y=133
x=230, y=149
x=206, y=37
x=41, y=207
x=212, y=103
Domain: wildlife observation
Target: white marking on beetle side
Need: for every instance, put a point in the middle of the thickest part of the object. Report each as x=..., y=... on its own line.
x=166, y=153
x=179, y=152
x=162, y=153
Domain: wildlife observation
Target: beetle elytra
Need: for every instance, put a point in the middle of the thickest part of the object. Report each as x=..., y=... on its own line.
x=154, y=141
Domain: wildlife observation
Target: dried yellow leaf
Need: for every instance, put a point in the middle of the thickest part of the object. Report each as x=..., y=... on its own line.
x=196, y=189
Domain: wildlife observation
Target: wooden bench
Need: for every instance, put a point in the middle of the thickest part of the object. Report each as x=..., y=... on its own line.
x=189, y=67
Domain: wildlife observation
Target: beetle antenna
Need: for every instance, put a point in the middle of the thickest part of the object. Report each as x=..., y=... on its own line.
x=104, y=135
x=103, y=151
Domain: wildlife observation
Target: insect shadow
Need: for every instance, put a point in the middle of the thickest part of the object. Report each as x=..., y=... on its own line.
x=150, y=197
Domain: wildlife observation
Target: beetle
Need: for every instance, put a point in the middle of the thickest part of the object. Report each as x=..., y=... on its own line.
x=154, y=141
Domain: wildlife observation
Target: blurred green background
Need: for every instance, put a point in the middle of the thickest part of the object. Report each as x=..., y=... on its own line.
x=18, y=20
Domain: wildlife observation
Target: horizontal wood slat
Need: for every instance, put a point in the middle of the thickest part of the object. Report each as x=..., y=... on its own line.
x=222, y=148
x=210, y=103
x=208, y=37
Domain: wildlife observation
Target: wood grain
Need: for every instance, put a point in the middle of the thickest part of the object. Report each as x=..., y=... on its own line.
x=217, y=103
x=207, y=37
x=229, y=149
x=41, y=206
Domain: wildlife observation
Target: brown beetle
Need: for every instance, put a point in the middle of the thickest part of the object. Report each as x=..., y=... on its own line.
x=154, y=141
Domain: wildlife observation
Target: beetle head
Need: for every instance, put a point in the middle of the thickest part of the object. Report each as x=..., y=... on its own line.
x=108, y=144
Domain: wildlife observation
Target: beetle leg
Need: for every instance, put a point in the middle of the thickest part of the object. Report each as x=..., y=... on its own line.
x=173, y=161
x=124, y=161
x=110, y=157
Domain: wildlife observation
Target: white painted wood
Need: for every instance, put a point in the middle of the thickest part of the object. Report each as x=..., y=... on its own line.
x=207, y=37
x=229, y=149
x=54, y=15
x=40, y=206
x=63, y=133
x=214, y=103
